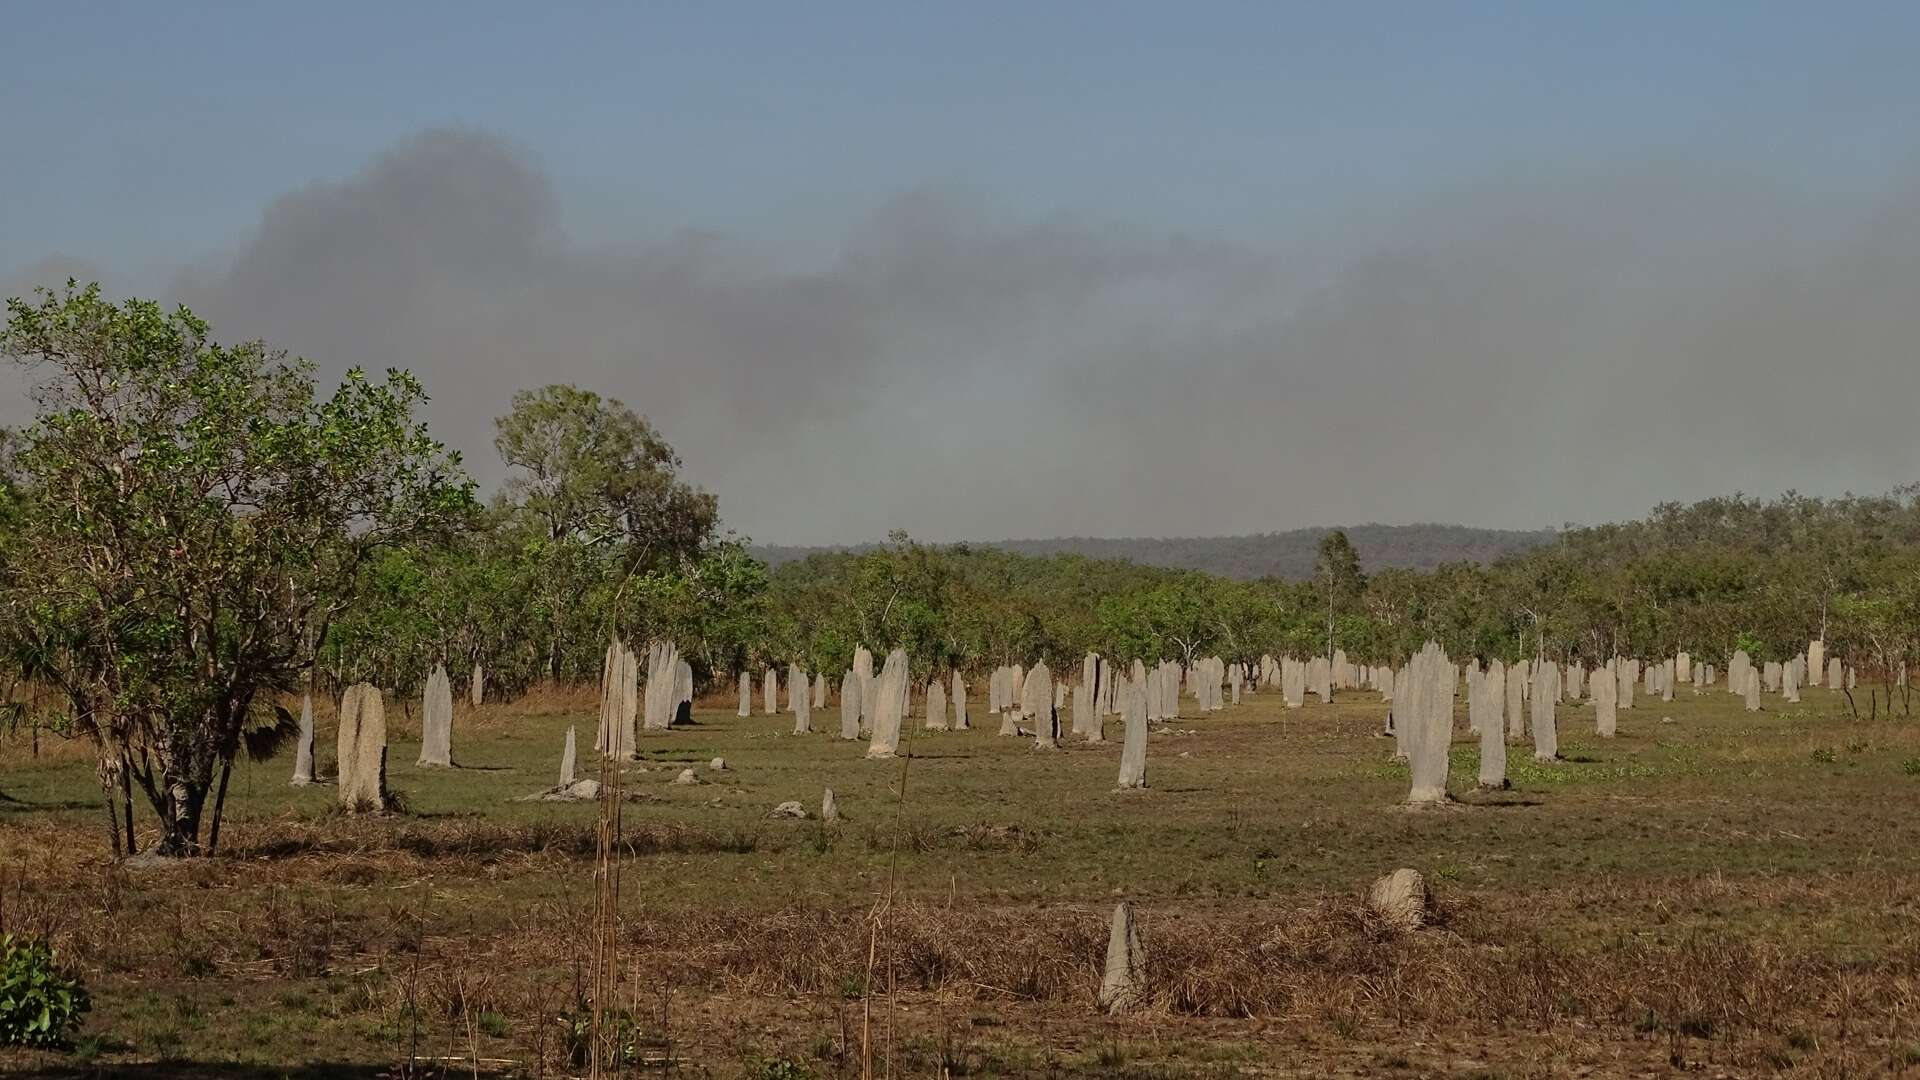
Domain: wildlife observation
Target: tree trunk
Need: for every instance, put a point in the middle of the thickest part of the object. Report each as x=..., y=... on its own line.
x=189, y=802
x=219, y=805
x=180, y=819
x=126, y=803
x=108, y=790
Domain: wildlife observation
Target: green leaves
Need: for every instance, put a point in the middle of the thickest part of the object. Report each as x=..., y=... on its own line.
x=594, y=472
x=191, y=516
x=39, y=1007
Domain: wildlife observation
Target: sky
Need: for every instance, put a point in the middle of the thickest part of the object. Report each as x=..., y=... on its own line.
x=1013, y=270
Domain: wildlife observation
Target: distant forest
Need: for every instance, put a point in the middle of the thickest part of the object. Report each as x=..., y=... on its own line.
x=1288, y=556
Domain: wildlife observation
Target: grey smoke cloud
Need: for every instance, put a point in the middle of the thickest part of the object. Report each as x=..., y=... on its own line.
x=1528, y=352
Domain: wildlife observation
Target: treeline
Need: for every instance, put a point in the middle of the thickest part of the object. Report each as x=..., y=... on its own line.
x=1716, y=576
x=1290, y=555
x=595, y=534
x=1712, y=577
x=190, y=531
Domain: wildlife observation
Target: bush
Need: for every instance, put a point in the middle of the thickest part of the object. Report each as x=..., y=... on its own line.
x=576, y=1028
x=39, y=1007
x=778, y=1069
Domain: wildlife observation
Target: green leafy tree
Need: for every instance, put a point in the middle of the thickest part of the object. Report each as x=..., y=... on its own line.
x=194, y=518
x=601, y=494
x=713, y=608
x=1336, y=568
x=590, y=468
x=1173, y=618
x=898, y=599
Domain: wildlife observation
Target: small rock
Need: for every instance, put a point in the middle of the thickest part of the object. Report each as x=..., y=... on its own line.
x=1400, y=898
x=789, y=809
x=578, y=791
x=1666, y=719
x=828, y=811
x=686, y=777
x=718, y=764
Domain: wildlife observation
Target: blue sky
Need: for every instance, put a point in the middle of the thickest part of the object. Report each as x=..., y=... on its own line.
x=1516, y=264
x=142, y=133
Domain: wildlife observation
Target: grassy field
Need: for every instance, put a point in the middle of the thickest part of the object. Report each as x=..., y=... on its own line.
x=1713, y=889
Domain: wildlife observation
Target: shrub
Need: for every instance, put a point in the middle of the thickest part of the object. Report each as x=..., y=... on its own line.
x=39, y=1006
x=576, y=1031
x=492, y=1023
x=779, y=1069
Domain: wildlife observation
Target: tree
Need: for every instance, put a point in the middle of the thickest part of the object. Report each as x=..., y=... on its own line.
x=1176, y=616
x=604, y=488
x=194, y=517
x=1337, y=569
x=591, y=469
x=898, y=599
x=713, y=607
x=16, y=652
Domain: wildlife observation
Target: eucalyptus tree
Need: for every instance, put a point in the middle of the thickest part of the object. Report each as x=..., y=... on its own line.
x=898, y=598
x=1336, y=569
x=193, y=517
x=1175, y=618
x=713, y=607
x=601, y=496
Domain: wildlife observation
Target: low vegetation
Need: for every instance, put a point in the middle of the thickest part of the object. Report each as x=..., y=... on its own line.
x=40, y=1005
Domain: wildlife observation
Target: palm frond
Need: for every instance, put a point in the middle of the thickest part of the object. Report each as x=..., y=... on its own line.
x=266, y=740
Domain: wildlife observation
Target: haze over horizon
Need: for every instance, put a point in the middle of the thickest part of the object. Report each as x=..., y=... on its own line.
x=1111, y=271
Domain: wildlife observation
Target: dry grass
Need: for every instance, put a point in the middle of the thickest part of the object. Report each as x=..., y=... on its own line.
x=1711, y=892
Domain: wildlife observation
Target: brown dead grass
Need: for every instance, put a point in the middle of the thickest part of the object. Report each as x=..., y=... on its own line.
x=1702, y=894
x=409, y=951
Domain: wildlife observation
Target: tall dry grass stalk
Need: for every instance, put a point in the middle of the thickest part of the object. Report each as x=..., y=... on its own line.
x=877, y=921
x=605, y=1052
